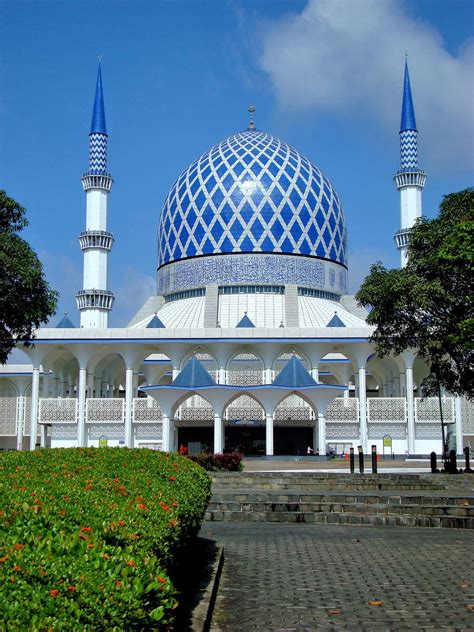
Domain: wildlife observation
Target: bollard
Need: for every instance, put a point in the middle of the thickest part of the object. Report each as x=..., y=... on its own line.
x=452, y=462
x=374, y=459
x=434, y=467
x=352, y=462
x=361, y=460
x=467, y=459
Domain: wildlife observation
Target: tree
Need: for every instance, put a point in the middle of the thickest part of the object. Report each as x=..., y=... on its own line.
x=26, y=299
x=428, y=305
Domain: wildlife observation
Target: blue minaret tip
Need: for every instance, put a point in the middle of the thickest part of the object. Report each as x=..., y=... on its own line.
x=408, y=121
x=98, y=125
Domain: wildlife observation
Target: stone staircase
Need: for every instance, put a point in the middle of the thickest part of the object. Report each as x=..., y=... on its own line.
x=415, y=500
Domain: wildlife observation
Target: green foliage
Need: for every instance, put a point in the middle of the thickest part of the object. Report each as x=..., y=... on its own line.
x=428, y=305
x=26, y=300
x=219, y=462
x=89, y=536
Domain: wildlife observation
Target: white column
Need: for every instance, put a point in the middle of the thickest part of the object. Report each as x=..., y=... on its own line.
x=362, y=409
x=97, y=385
x=63, y=388
x=315, y=437
x=346, y=397
x=315, y=373
x=269, y=435
x=321, y=434
x=410, y=410
x=175, y=372
x=55, y=386
x=21, y=416
x=90, y=385
x=128, y=407
x=45, y=385
x=222, y=375
x=267, y=375
x=44, y=435
x=458, y=417
x=81, y=397
x=217, y=434
x=34, y=407
x=166, y=441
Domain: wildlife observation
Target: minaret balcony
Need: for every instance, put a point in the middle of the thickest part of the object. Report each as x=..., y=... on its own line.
x=411, y=178
x=402, y=237
x=101, y=181
x=96, y=239
x=95, y=299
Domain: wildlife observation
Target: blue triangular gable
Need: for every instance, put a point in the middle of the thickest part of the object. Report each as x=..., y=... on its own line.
x=65, y=323
x=335, y=322
x=245, y=321
x=194, y=375
x=294, y=375
x=155, y=323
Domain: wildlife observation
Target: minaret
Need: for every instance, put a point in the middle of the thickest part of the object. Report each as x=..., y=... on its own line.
x=95, y=300
x=409, y=179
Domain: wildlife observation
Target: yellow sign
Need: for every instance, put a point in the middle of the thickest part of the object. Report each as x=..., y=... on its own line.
x=103, y=442
x=387, y=441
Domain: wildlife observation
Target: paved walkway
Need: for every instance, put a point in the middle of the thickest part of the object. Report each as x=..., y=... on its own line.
x=320, y=577
x=387, y=466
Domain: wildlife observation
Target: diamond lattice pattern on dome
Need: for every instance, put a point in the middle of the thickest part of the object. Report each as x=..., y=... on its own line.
x=252, y=193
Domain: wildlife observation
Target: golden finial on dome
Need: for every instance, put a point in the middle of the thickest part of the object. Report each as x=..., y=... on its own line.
x=251, y=109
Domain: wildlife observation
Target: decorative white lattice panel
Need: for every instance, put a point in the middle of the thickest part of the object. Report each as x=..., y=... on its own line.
x=102, y=410
x=428, y=431
x=63, y=431
x=150, y=431
x=396, y=431
x=427, y=409
x=293, y=408
x=342, y=410
x=467, y=414
x=244, y=408
x=196, y=408
x=386, y=409
x=58, y=410
x=27, y=418
x=109, y=431
x=8, y=409
x=146, y=411
x=342, y=431
x=245, y=377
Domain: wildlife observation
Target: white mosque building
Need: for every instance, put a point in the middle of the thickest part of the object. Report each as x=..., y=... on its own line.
x=251, y=342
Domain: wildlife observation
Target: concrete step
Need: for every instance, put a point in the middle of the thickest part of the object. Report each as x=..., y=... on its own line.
x=356, y=508
x=457, y=522
x=258, y=496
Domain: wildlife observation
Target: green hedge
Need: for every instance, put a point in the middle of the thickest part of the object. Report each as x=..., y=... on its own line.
x=231, y=462
x=89, y=536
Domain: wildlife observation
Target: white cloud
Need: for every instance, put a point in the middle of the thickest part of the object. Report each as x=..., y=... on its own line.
x=130, y=294
x=361, y=260
x=348, y=55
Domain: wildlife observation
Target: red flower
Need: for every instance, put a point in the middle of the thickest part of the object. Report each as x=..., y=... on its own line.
x=162, y=580
x=116, y=480
x=19, y=546
x=131, y=563
x=22, y=489
x=17, y=568
x=121, y=522
x=88, y=487
x=142, y=506
x=172, y=478
x=118, y=584
x=54, y=592
x=83, y=536
x=71, y=588
x=86, y=529
x=3, y=559
x=164, y=506
x=173, y=522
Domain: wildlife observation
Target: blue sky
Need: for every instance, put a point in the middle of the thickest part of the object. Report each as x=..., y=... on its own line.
x=325, y=76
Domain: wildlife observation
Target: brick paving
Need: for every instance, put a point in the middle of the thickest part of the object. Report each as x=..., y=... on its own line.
x=300, y=578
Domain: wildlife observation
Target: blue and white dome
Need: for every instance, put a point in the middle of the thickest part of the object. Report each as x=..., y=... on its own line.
x=252, y=194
